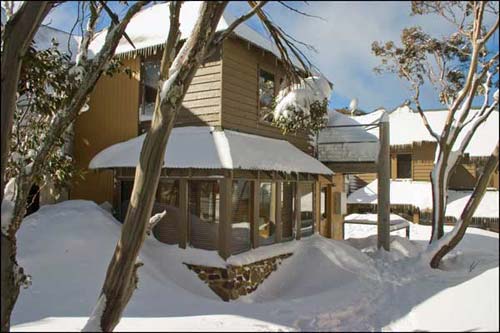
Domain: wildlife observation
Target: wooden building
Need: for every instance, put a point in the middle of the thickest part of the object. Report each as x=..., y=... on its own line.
x=223, y=186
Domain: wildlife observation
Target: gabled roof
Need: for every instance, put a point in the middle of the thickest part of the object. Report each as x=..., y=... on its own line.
x=149, y=28
x=407, y=128
x=205, y=148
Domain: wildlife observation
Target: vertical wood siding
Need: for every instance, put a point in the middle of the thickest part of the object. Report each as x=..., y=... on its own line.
x=240, y=66
x=113, y=117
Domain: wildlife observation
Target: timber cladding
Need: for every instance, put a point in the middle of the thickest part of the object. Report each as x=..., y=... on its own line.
x=240, y=70
x=113, y=117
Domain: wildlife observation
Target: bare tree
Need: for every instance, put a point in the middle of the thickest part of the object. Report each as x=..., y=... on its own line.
x=84, y=73
x=461, y=68
x=176, y=73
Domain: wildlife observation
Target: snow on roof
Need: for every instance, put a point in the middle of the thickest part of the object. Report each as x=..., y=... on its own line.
x=150, y=27
x=45, y=34
x=407, y=127
x=419, y=194
x=346, y=144
x=205, y=148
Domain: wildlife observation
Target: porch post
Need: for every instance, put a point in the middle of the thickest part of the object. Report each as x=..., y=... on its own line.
x=225, y=186
x=316, y=206
x=117, y=196
x=296, y=211
x=337, y=216
x=183, y=206
x=329, y=211
x=255, y=213
x=384, y=185
x=279, y=226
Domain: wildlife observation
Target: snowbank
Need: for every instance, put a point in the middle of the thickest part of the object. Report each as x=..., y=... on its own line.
x=325, y=285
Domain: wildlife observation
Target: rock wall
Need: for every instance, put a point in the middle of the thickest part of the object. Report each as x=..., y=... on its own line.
x=234, y=281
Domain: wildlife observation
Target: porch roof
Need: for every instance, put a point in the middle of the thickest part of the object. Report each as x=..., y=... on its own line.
x=206, y=148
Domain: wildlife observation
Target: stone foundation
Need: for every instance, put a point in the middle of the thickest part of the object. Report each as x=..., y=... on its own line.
x=234, y=281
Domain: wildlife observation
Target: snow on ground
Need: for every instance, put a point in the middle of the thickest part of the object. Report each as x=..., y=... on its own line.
x=324, y=285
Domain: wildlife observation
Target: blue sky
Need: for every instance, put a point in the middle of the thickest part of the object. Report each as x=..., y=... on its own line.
x=343, y=40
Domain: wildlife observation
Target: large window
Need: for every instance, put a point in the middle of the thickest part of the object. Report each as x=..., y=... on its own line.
x=287, y=208
x=240, y=216
x=267, y=213
x=404, y=166
x=204, y=214
x=306, y=209
x=150, y=76
x=266, y=95
x=167, y=199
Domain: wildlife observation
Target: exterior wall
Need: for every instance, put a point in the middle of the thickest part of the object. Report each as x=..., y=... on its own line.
x=240, y=66
x=113, y=117
x=423, y=161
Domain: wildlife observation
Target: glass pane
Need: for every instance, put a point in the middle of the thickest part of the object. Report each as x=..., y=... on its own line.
x=306, y=209
x=267, y=213
x=240, y=216
x=151, y=75
x=126, y=192
x=266, y=94
x=204, y=214
x=167, y=199
x=287, y=205
x=404, y=166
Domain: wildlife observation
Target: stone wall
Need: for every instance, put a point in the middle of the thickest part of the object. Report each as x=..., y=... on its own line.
x=234, y=281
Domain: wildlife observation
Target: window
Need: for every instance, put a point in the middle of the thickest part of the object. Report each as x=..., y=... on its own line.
x=240, y=216
x=266, y=95
x=267, y=213
x=306, y=209
x=204, y=214
x=404, y=166
x=287, y=206
x=126, y=193
x=167, y=199
x=150, y=73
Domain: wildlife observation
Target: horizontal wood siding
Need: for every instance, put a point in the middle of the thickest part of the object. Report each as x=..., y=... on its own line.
x=423, y=161
x=240, y=66
x=113, y=117
x=202, y=103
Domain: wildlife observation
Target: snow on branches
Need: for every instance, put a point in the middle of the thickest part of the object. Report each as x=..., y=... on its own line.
x=303, y=105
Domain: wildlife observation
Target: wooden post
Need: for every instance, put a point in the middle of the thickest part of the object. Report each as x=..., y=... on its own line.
x=184, y=210
x=316, y=206
x=297, y=211
x=384, y=185
x=226, y=186
x=394, y=166
x=279, y=226
x=337, y=226
x=329, y=211
x=255, y=213
x=117, y=197
x=416, y=216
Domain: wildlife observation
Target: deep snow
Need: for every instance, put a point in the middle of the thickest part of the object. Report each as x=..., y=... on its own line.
x=324, y=285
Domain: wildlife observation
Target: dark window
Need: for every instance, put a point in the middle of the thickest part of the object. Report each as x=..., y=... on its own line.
x=266, y=95
x=126, y=193
x=150, y=74
x=404, y=166
x=240, y=215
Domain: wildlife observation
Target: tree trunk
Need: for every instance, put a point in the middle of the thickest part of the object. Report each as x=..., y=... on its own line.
x=455, y=236
x=121, y=276
x=10, y=285
x=17, y=36
x=439, y=190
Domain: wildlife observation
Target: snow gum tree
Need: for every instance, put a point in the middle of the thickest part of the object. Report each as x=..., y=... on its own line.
x=176, y=73
x=462, y=69
x=51, y=93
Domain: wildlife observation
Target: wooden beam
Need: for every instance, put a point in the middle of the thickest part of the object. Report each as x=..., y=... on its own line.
x=225, y=190
x=337, y=214
x=255, y=213
x=316, y=206
x=297, y=211
x=279, y=225
x=117, y=196
x=183, y=223
x=329, y=211
x=384, y=186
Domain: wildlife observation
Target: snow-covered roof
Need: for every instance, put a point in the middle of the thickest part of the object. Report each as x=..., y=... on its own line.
x=407, y=127
x=149, y=28
x=353, y=143
x=45, y=34
x=419, y=194
x=205, y=148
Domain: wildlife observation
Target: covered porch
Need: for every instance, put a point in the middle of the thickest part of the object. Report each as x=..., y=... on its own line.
x=224, y=190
